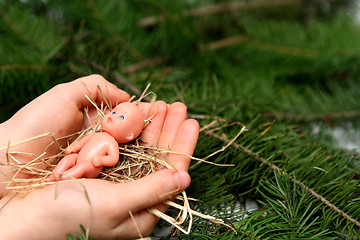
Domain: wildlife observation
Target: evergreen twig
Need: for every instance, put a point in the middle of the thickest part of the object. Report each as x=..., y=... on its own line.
x=280, y=49
x=223, y=7
x=25, y=67
x=143, y=64
x=220, y=8
x=312, y=117
x=279, y=170
x=116, y=37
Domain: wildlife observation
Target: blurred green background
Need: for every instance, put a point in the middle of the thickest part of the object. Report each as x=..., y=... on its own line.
x=287, y=69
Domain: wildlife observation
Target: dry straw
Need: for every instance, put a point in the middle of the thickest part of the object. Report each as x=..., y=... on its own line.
x=136, y=161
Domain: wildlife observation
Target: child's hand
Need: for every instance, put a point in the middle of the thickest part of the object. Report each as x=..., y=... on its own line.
x=40, y=216
x=59, y=111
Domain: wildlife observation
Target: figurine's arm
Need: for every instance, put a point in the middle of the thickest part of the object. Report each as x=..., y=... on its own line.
x=113, y=155
x=76, y=146
x=110, y=159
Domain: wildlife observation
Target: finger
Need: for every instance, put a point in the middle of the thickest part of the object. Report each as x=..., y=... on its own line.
x=150, y=190
x=144, y=193
x=175, y=116
x=184, y=144
x=89, y=86
x=142, y=221
x=145, y=107
x=151, y=133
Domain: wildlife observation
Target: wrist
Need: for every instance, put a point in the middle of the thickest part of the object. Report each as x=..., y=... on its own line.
x=19, y=220
x=12, y=227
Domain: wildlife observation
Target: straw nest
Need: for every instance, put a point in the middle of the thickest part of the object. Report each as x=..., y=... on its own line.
x=136, y=161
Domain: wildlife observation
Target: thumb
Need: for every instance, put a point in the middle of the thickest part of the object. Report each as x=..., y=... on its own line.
x=90, y=85
x=152, y=189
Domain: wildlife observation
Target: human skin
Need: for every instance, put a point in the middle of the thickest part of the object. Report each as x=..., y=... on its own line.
x=58, y=111
x=39, y=215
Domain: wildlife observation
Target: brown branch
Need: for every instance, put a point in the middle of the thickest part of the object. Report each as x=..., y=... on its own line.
x=224, y=7
x=279, y=170
x=144, y=64
x=223, y=43
x=312, y=117
x=24, y=67
x=220, y=8
x=241, y=39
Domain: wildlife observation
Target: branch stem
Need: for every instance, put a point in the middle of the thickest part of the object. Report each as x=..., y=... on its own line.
x=279, y=170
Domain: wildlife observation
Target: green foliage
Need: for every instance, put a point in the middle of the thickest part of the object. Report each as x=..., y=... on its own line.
x=281, y=70
x=81, y=236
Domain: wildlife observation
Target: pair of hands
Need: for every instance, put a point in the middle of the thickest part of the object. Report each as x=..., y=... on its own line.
x=39, y=215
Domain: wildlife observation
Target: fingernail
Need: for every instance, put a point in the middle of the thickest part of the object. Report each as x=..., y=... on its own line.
x=183, y=178
x=123, y=92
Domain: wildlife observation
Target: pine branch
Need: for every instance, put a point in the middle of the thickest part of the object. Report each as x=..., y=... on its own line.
x=293, y=51
x=220, y=8
x=25, y=67
x=114, y=35
x=280, y=49
x=279, y=170
x=143, y=64
x=16, y=29
x=225, y=7
x=312, y=117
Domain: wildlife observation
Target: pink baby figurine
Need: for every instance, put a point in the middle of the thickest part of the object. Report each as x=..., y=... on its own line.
x=87, y=157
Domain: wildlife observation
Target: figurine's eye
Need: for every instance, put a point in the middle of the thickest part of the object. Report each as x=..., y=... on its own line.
x=113, y=113
x=121, y=117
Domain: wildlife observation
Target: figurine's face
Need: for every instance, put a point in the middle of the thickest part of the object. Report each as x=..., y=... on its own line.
x=124, y=123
